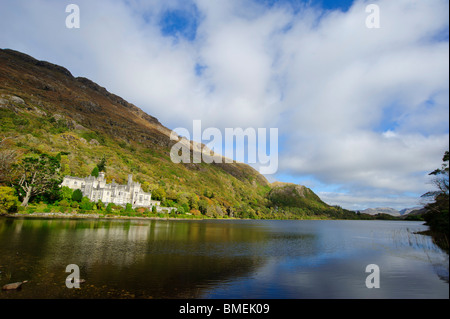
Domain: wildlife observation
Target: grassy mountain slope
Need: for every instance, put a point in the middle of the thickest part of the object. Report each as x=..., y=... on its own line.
x=44, y=109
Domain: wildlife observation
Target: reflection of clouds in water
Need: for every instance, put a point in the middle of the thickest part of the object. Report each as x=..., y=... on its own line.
x=333, y=265
x=342, y=278
x=421, y=247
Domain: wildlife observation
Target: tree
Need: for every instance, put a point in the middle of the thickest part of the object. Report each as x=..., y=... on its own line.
x=102, y=165
x=66, y=193
x=180, y=210
x=441, y=180
x=38, y=175
x=65, y=166
x=77, y=195
x=203, y=206
x=109, y=208
x=129, y=208
x=159, y=194
x=8, y=157
x=95, y=171
x=437, y=216
x=8, y=200
x=193, y=201
x=100, y=205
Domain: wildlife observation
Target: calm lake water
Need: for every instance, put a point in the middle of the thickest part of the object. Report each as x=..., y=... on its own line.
x=220, y=259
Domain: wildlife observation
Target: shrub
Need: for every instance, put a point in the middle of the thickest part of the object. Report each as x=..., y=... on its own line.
x=48, y=209
x=141, y=210
x=64, y=203
x=109, y=208
x=8, y=200
x=74, y=205
x=173, y=214
x=100, y=205
x=185, y=207
x=86, y=204
x=195, y=212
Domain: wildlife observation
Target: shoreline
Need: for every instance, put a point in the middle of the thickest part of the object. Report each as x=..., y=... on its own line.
x=59, y=215
x=90, y=216
x=99, y=217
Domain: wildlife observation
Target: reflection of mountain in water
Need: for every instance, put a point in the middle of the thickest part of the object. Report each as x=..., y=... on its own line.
x=162, y=259
x=220, y=259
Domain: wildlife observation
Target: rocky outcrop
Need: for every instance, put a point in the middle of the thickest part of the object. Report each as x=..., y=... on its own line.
x=14, y=286
x=50, y=66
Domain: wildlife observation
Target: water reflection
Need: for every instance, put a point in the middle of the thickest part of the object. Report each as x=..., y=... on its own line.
x=219, y=259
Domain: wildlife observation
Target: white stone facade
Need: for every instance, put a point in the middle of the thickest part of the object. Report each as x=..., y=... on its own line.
x=96, y=188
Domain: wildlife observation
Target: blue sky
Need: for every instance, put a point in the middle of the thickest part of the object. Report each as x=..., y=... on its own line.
x=183, y=22
x=362, y=113
x=180, y=23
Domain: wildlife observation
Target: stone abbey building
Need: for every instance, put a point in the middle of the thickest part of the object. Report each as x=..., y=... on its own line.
x=96, y=188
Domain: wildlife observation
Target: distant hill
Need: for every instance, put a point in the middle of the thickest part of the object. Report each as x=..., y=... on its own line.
x=299, y=200
x=407, y=211
x=414, y=214
x=45, y=109
x=381, y=210
x=404, y=213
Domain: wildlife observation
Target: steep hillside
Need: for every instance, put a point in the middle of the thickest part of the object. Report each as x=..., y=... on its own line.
x=298, y=200
x=45, y=109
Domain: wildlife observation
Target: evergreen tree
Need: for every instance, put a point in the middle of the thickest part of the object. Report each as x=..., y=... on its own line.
x=95, y=171
x=102, y=165
x=77, y=195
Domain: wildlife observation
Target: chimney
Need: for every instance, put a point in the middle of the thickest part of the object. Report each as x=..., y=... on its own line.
x=130, y=179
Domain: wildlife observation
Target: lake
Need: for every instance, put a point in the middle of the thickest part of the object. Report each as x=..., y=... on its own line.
x=257, y=259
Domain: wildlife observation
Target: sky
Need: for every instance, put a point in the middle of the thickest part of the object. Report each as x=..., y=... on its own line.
x=362, y=113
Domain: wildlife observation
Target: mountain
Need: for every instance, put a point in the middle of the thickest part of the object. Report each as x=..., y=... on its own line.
x=410, y=210
x=299, y=200
x=293, y=195
x=393, y=212
x=414, y=214
x=48, y=110
x=381, y=210
x=45, y=109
